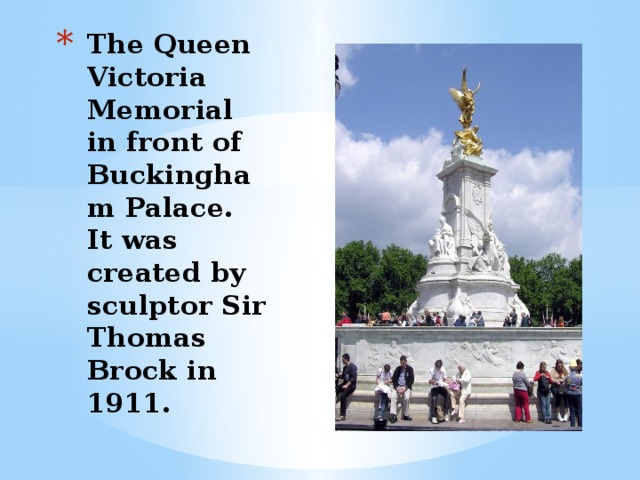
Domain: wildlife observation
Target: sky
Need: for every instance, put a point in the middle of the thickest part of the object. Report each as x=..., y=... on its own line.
x=394, y=129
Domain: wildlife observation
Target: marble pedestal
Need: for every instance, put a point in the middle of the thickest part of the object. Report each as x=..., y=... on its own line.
x=469, y=267
x=491, y=355
x=455, y=293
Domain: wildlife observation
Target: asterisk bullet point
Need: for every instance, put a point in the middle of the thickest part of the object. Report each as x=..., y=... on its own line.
x=65, y=37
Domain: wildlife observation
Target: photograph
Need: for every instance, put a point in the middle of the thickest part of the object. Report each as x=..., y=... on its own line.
x=458, y=204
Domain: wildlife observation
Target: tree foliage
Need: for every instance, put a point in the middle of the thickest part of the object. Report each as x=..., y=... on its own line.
x=367, y=277
x=550, y=286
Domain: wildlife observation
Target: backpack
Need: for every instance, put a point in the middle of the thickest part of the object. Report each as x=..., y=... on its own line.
x=543, y=384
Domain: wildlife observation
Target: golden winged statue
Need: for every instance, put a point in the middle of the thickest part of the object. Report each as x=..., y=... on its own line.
x=465, y=101
x=464, y=98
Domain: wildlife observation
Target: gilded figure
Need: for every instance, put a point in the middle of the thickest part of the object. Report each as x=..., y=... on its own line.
x=469, y=138
x=465, y=101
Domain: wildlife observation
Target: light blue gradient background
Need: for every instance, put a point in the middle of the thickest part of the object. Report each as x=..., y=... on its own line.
x=47, y=432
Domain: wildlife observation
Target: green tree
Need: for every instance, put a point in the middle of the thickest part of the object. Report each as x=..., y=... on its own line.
x=387, y=279
x=356, y=263
x=573, y=303
x=550, y=284
x=553, y=273
x=394, y=283
x=523, y=272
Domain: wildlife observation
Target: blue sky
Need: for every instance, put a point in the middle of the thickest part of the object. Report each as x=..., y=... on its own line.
x=394, y=128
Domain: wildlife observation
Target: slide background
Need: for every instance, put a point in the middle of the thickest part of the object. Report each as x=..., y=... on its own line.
x=268, y=415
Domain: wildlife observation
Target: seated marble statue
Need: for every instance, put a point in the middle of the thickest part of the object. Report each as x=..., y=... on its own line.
x=491, y=256
x=479, y=259
x=492, y=247
x=443, y=242
x=497, y=253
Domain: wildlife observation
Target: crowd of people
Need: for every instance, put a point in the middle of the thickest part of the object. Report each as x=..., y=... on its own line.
x=426, y=319
x=439, y=319
x=449, y=394
x=565, y=387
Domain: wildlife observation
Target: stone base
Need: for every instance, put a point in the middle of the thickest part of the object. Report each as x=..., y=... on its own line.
x=461, y=294
x=442, y=265
x=490, y=354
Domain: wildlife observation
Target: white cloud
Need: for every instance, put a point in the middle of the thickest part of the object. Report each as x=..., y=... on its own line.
x=346, y=52
x=389, y=193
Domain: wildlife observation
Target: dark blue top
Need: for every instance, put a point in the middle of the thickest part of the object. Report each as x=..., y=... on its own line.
x=350, y=374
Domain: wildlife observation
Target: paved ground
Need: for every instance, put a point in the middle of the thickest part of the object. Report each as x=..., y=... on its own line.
x=420, y=422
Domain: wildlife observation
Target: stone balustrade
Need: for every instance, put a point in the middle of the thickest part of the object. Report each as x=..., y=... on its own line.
x=490, y=354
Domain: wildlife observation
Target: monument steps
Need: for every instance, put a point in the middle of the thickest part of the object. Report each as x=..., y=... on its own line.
x=490, y=399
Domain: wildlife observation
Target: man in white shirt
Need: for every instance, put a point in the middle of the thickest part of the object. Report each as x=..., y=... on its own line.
x=383, y=388
x=437, y=380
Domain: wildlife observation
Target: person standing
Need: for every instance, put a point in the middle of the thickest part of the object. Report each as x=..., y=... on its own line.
x=429, y=319
x=348, y=385
x=402, y=384
x=513, y=316
x=521, y=393
x=344, y=320
x=459, y=397
x=460, y=321
x=558, y=377
x=544, y=391
x=574, y=394
x=526, y=320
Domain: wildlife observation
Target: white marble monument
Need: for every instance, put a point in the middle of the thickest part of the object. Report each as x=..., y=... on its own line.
x=468, y=266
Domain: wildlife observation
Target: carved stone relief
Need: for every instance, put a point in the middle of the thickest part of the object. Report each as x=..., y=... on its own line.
x=553, y=350
x=476, y=194
x=484, y=355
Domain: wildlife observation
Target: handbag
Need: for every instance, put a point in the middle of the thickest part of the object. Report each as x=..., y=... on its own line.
x=453, y=385
x=530, y=389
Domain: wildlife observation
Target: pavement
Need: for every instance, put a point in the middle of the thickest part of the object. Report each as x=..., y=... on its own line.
x=421, y=422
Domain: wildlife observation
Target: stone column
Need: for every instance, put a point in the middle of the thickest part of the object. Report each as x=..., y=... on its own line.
x=466, y=192
x=468, y=281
